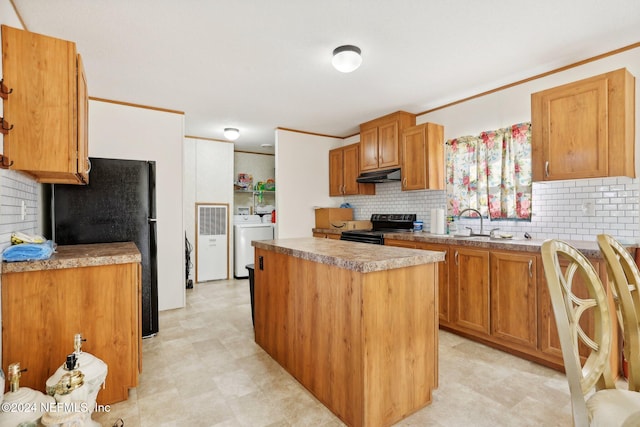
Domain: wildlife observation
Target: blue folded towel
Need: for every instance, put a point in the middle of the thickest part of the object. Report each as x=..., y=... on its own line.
x=28, y=252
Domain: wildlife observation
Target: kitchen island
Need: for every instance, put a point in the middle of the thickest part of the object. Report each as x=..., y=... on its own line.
x=355, y=323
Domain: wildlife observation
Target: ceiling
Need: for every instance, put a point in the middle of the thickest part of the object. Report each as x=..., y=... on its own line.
x=258, y=65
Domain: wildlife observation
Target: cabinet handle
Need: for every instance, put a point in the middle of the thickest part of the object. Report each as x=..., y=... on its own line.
x=4, y=91
x=546, y=168
x=530, y=268
x=404, y=182
x=3, y=127
x=455, y=257
x=3, y=162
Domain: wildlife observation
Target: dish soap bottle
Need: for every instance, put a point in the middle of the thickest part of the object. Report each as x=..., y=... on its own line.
x=452, y=227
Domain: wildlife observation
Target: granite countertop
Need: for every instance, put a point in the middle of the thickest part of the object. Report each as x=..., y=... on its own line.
x=361, y=257
x=72, y=256
x=588, y=248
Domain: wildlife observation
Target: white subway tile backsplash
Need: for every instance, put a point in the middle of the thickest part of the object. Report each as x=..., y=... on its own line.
x=557, y=208
x=14, y=189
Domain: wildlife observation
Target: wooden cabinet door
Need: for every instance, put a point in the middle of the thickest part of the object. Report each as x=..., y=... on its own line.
x=351, y=169
x=414, y=159
x=336, y=166
x=573, y=126
x=271, y=302
x=388, y=145
x=83, y=166
x=584, y=129
x=369, y=149
x=470, y=289
x=444, y=312
x=549, y=343
x=344, y=168
x=513, y=297
x=41, y=71
x=423, y=157
x=401, y=243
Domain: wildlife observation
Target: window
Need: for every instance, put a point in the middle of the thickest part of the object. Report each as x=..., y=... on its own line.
x=491, y=172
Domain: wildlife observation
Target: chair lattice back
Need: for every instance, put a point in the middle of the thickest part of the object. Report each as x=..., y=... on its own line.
x=569, y=309
x=624, y=279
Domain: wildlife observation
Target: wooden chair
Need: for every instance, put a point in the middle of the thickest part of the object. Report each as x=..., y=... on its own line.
x=624, y=278
x=595, y=401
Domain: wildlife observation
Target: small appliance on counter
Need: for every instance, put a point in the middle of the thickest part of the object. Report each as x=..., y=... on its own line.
x=22, y=404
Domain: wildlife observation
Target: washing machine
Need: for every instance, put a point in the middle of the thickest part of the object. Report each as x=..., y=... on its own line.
x=247, y=228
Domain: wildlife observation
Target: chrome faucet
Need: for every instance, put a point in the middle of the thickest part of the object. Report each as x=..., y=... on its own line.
x=469, y=228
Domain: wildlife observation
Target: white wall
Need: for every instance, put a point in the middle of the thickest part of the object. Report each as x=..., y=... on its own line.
x=302, y=181
x=208, y=178
x=126, y=132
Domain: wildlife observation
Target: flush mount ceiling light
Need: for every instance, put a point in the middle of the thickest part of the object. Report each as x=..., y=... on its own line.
x=346, y=58
x=231, y=133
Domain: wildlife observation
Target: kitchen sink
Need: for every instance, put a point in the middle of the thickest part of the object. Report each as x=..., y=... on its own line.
x=481, y=238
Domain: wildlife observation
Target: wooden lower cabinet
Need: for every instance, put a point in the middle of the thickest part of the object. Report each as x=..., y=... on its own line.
x=335, y=236
x=469, y=289
x=500, y=298
x=513, y=297
x=43, y=310
x=547, y=329
x=444, y=301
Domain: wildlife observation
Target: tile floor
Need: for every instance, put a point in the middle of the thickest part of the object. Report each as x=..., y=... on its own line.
x=204, y=369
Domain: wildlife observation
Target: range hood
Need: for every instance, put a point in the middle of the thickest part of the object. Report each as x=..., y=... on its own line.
x=387, y=175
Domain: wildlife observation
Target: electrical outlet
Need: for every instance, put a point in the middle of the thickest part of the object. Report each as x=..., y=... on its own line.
x=23, y=210
x=588, y=209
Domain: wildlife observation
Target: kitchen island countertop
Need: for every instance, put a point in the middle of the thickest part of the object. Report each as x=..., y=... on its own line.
x=71, y=256
x=360, y=257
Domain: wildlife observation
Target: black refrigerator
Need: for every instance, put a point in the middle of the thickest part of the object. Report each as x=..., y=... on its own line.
x=118, y=205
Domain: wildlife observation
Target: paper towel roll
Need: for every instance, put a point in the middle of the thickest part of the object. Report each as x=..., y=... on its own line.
x=434, y=221
x=440, y=221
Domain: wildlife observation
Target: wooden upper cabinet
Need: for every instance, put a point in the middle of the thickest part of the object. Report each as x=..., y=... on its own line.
x=336, y=168
x=83, y=124
x=380, y=141
x=584, y=129
x=344, y=168
x=422, y=150
x=47, y=108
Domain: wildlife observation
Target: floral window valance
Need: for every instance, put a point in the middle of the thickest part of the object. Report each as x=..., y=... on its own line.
x=491, y=172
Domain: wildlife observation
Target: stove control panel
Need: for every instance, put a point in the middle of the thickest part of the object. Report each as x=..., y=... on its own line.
x=393, y=218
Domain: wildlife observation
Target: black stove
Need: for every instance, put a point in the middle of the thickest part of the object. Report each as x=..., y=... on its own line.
x=381, y=223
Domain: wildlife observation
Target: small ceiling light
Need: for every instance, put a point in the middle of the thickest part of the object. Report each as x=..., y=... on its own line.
x=231, y=133
x=346, y=58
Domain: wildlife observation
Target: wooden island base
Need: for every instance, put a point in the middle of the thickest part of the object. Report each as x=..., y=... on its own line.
x=365, y=344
